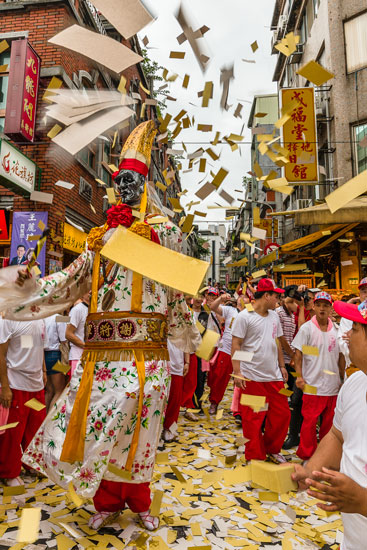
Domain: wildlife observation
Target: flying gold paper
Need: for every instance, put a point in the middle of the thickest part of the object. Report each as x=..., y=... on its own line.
x=164, y=266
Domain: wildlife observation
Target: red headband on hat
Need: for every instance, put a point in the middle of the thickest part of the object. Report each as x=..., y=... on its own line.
x=132, y=164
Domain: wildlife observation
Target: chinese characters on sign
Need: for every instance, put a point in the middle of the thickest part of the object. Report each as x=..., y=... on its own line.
x=25, y=225
x=74, y=239
x=17, y=169
x=21, y=103
x=268, y=224
x=31, y=78
x=299, y=136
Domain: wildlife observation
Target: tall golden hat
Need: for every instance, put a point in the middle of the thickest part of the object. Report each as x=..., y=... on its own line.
x=136, y=152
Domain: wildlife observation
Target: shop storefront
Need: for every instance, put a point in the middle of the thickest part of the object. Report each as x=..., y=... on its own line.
x=73, y=245
x=17, y=173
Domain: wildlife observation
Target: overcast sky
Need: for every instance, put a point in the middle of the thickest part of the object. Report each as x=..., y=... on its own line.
x=234, y=25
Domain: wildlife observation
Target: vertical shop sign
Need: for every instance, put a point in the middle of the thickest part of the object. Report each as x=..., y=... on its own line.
x=299, y=135
x=21, y=103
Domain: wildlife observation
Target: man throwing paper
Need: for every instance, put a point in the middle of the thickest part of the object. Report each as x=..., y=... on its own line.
x=261, y=373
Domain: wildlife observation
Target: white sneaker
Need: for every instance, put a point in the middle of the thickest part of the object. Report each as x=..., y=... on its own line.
x=150, y=522
x=100, y=519
x=168, y=436
x=14, y=482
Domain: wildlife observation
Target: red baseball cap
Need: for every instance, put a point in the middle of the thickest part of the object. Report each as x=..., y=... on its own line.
x=213, y=290
x=363, y=282
x=353, y=312
x=323, y=296
x=267, y=285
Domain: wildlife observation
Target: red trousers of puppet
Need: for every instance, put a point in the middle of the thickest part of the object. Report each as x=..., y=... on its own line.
x=14, y=441
x=190, y=382
x=113, y=496
x=174, y=401
x=314, y=406
x=277, y=419
x=219, y=376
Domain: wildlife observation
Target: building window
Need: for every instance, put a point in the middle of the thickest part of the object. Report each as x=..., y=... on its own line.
x=105, y=156
x=309, y=13
x=316, y=4
x=4, y=80
x=304, y=29
x=360, y=153
x=88, y=156
x=355, y=32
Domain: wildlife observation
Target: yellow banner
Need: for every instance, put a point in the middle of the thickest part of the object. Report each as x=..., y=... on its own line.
x=266, y=223
x=74, y=239
x=299, y=135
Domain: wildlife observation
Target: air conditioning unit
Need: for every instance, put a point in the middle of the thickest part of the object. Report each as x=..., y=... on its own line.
x=320, y=106
x=303, y=203
x=85, y=190
x=282, y=23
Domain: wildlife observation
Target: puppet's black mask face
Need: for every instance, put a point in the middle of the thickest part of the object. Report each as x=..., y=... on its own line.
x=130, y=185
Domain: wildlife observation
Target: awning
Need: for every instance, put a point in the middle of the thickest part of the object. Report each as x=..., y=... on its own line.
x=244, y=261
x=308, y=239
x=299, y=243
x=353, y=212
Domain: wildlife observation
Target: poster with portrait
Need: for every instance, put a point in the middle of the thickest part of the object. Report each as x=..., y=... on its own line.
x=25, y=226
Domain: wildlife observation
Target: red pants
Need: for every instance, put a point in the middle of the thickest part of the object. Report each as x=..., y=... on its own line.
x=13, y=442
x=219, y=376
x=174, y=401
x=113, y=496
x=190, y=382
x=276, y=418
x=314, y=406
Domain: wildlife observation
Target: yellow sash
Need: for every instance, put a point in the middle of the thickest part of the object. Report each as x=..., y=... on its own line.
x=73, y=448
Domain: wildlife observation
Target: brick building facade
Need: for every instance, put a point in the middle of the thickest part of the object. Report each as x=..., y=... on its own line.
x=38, y=21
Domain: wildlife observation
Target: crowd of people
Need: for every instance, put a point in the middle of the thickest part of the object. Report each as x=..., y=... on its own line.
x=295, y=350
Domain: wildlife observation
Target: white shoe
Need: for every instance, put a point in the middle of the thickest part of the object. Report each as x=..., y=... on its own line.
x=150, y=522
x=168, y=436
x=14, y=482
x=100, y=519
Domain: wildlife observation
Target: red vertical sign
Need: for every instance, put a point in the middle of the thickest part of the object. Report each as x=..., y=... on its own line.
x=21, y=104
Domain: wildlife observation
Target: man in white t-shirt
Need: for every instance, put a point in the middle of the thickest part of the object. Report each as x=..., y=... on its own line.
x=346, y=325
x=338, y=470
x=261, y=374
x=319, y=371
x=221, y=370
x=75, y=330
x=191, y=377
x=56, y=381
x=22, y=378
x=179, y=367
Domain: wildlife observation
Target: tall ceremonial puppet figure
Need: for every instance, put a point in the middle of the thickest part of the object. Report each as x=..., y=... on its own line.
x=103, y=432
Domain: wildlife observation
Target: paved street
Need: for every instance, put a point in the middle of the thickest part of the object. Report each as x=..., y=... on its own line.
x=213, y=506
